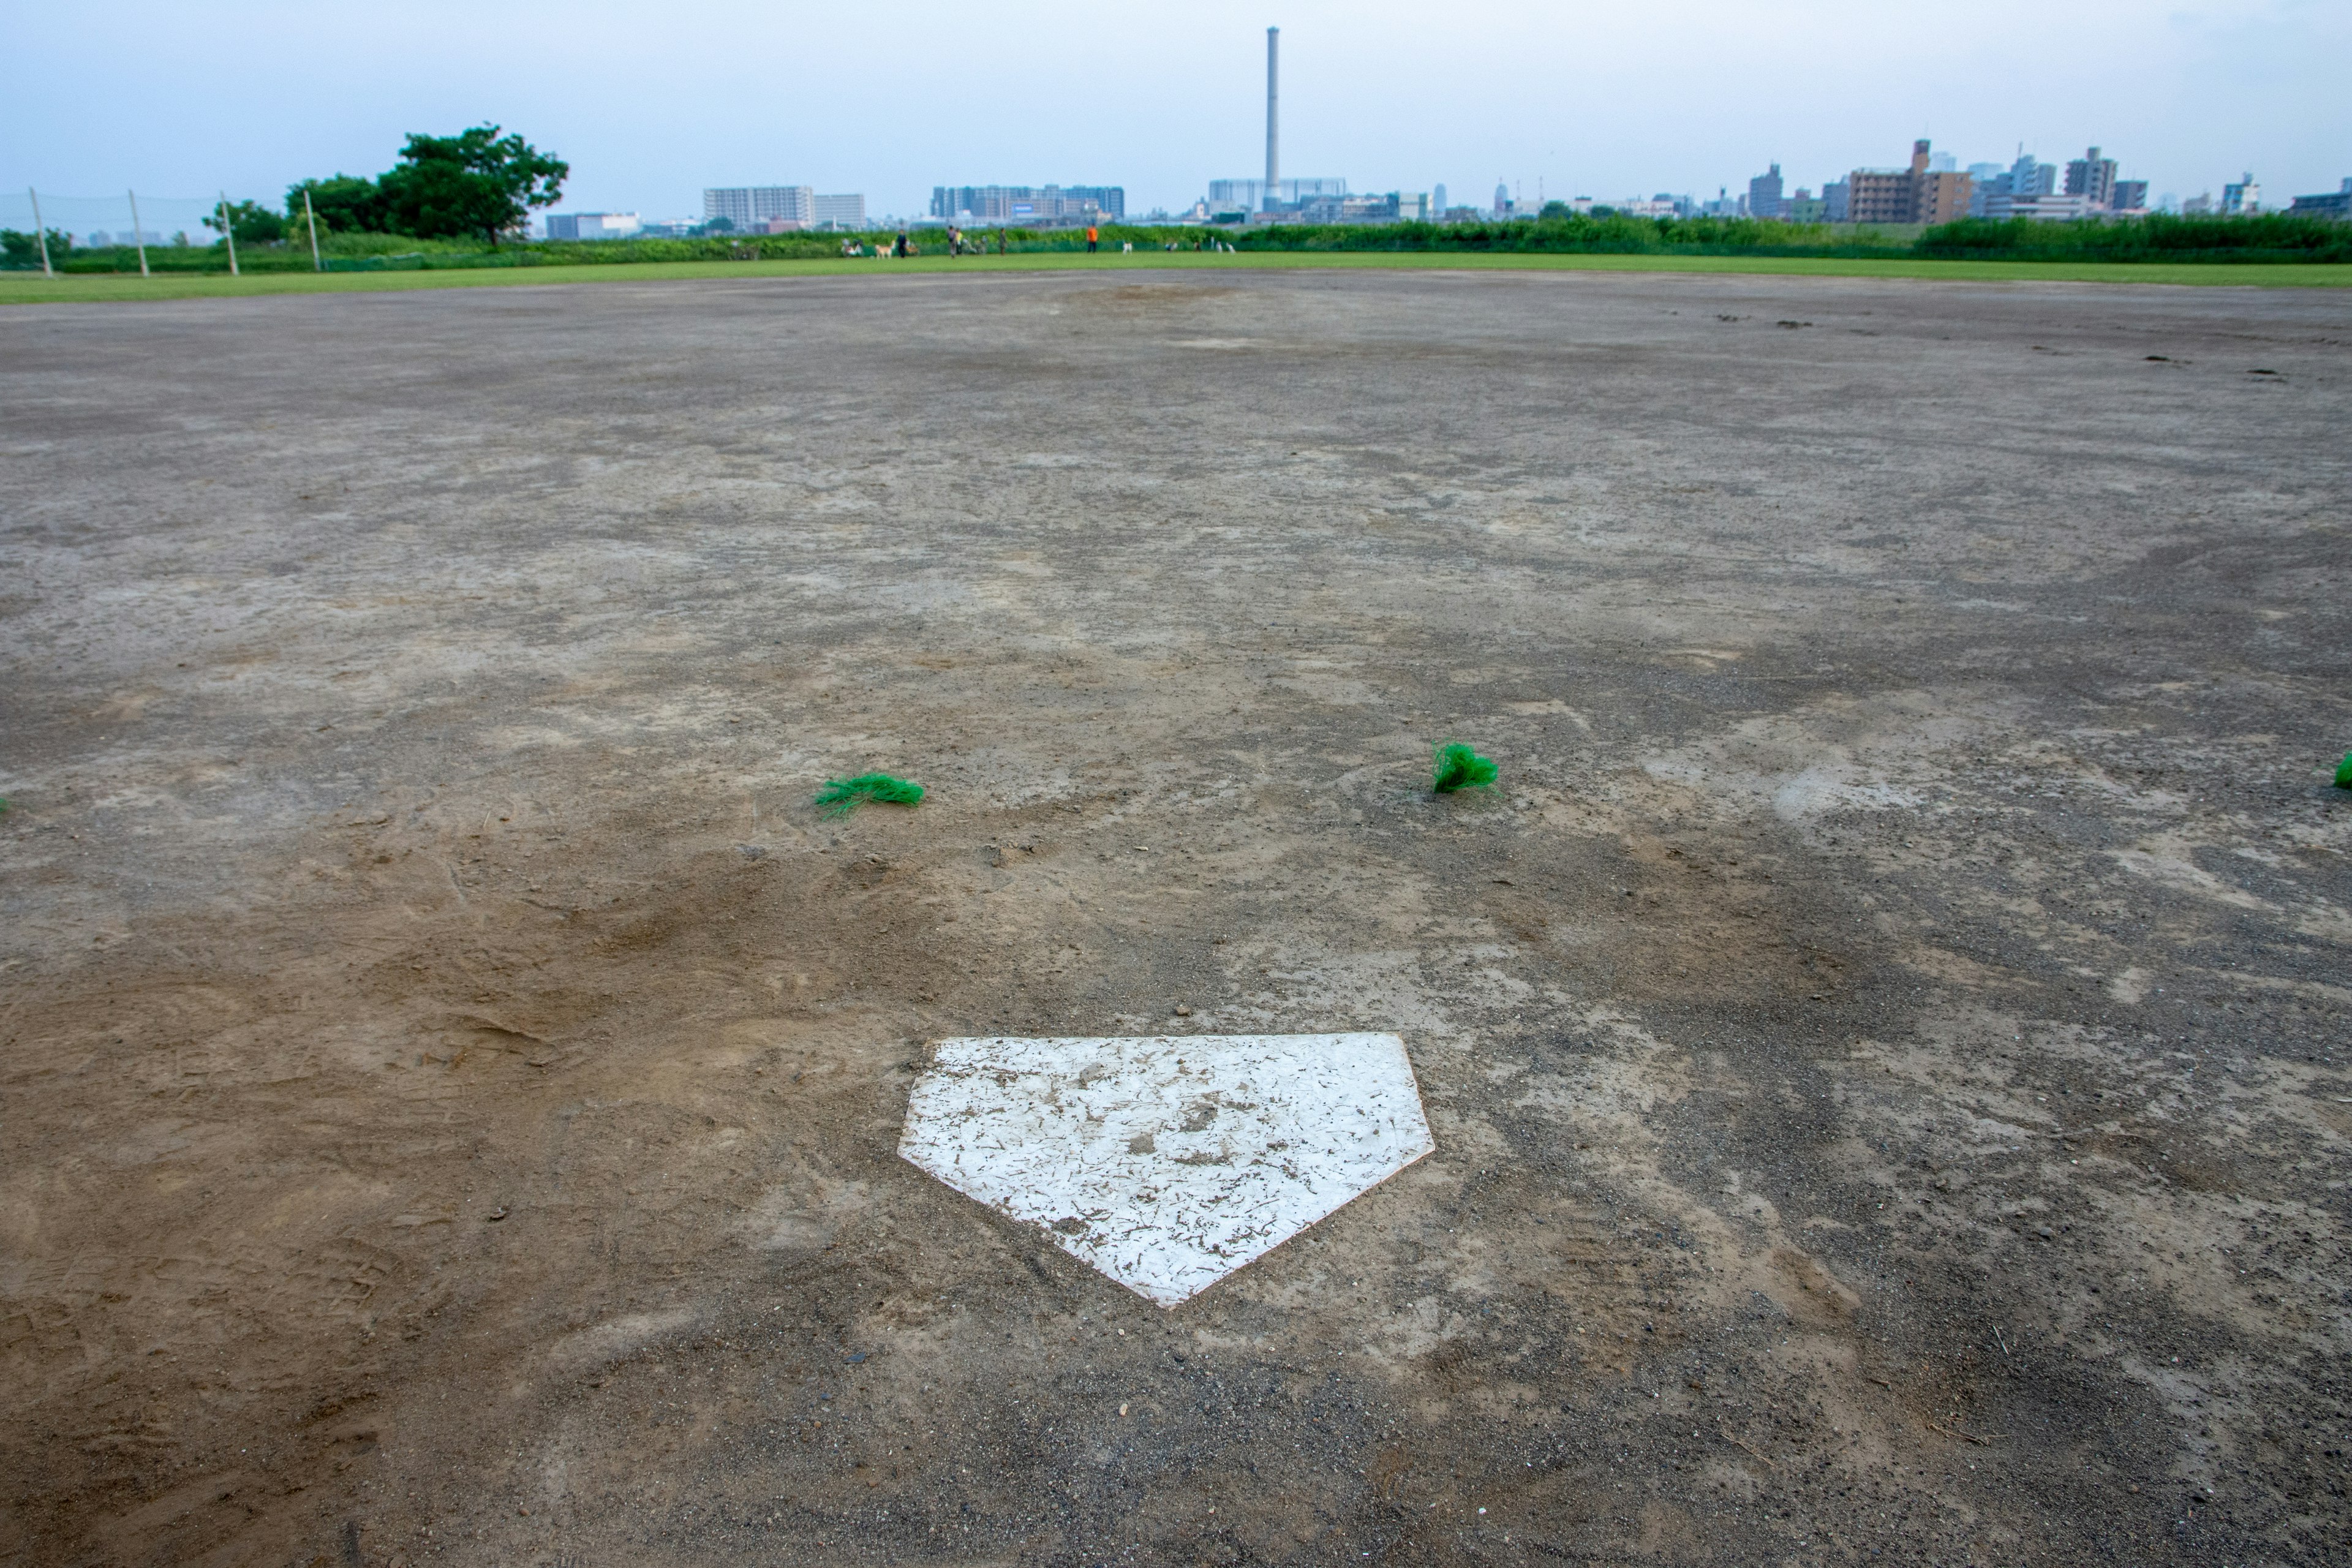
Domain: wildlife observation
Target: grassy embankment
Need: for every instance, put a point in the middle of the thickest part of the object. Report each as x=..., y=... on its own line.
x=2269, y=251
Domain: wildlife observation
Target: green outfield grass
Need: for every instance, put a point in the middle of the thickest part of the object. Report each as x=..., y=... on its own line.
x=29, y=288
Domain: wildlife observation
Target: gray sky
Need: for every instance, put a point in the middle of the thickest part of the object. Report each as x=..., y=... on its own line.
x=652, y=101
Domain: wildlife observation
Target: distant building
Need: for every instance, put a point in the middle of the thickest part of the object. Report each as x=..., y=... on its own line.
x=1250, y=195
x=592, y=225
x=1437, y=197
x=1764, y=193
x=2050, y=209
x=2027, y=180
x=2336, y=203
x=1836, y=204
x=2241, y=198
x=1985, y=182
x=1805, y=207
x=1030, y=205
x=2093, y=178
x=2130, y=196
x=838, y=212
x=1502, y=199
x=2198, y=205
x=1919, y=194
x=751, y=208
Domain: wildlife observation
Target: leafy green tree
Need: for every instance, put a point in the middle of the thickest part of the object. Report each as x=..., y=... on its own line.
x=475, y=183
x=252, y=223
x=24, y=250
x=722, y=223
x=345, y=203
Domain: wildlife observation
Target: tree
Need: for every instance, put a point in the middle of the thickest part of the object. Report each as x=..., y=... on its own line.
x=252, y=223
x=24, y=250
x=475, y=183
x=345, y=203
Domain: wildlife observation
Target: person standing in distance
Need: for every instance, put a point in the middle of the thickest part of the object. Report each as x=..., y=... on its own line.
x=1093, y=237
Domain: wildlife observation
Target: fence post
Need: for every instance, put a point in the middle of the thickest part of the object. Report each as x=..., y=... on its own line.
x=40, y=234
x=313, y=220
x=137, y=237
x=228, y=233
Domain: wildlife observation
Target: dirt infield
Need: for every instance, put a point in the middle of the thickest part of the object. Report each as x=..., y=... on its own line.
x=1885, y=1036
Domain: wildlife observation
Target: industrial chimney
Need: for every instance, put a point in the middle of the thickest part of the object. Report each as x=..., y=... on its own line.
x=1272, y=114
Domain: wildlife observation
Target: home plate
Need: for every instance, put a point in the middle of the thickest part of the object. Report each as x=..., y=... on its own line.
x=1166, y=1161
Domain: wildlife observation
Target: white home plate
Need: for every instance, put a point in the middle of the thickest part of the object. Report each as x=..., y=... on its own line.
x=1168, y=1163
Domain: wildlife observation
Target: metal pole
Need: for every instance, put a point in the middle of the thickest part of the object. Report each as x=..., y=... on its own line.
x=312, y=219
x=228, y=233
x=40, y=234
x=137, y=237
x=1272, y=114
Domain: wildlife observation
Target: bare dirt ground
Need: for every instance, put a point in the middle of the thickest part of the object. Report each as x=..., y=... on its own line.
x=1886, y=1035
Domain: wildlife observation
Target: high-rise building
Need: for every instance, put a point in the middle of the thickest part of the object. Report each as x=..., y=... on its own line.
x=1764, y=193
x=2093, y=178
x=2242, y=198
x=1030, y=204
x=1837, y=202
x=1920, y=194
x=2130, y=196
x=1437, y=198
x=751, y=207
x=1502, y=199
x=838, y=212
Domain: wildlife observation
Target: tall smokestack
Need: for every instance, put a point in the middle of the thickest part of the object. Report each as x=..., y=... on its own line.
x=1273, y=114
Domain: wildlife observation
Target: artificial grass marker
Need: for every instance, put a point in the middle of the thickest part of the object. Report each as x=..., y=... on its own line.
x=1459, y=767
x=2343, y=772
x=840, y=795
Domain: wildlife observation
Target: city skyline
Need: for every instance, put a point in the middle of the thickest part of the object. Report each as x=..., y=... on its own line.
x=1381, y=97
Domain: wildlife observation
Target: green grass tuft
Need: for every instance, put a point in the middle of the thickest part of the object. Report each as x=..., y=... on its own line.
x=1459, y=767
x=2343, y=772
x=840, y=795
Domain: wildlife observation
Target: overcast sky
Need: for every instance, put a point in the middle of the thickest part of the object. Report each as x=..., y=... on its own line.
x=651, y=102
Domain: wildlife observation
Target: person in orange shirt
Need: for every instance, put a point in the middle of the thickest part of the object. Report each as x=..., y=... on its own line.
x=1092, y=237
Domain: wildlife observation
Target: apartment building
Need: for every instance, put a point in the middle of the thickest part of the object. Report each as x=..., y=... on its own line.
x=2093, y=178
x=1920, y=194
x=846, y=211
x=752, y=208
